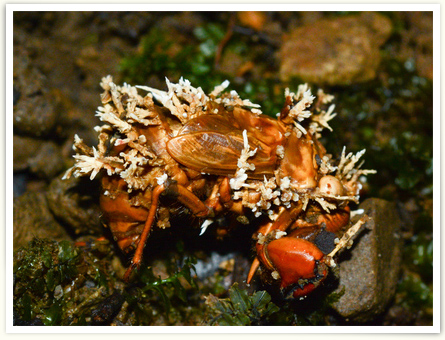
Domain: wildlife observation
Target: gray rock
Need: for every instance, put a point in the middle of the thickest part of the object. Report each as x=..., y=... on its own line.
x=34, y=111
x=42, y=158
x=32, y=218
x=48, y=161
x=370, y=270
x=24, y=148
x=74, y=202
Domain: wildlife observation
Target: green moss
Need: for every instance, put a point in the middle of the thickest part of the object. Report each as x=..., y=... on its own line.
x=240, y=308
x=419, y=256
x=196, y=62
x=50, y=280
x=159, y=55
x=414, y=294
x=165, y=292
x=392, y=118
x=169, y=288
x=314, y=310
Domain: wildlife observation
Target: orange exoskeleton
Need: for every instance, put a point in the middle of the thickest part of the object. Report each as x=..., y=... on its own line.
x=217, y=154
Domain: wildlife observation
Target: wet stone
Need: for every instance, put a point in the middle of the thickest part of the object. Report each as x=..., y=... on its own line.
x=48, y=161
x=75, y=202
x=32, y=218
x=370, y=270
x=107, y=309
x=24, y=148
x=42, y=158
x=34, y=110
x=33, y=116
x=338, y=51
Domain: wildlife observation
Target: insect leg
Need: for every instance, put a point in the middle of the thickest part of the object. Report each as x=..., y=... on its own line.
x=336, y=220
x=213, y=201
x=220, y=197
x=136, y=261
x=188, y=199
x=224, y=193
x=183, y=195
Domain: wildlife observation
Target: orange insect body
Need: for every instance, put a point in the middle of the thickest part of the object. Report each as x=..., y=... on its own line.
x=217, y=154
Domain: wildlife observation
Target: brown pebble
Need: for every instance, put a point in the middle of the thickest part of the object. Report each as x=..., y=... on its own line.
x=32, y=218
x=337, y=51
x=370, y=271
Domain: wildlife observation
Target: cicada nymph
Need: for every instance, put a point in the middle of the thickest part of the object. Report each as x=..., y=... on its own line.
x=217, y=154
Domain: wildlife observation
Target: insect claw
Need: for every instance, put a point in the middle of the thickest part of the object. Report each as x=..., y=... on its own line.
x=253, y=269
x=136, y=261
x=129, y=271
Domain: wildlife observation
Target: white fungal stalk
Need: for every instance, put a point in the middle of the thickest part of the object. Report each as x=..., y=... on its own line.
x=220, y=88
x=348, y=170
x=346, y=240
x=161, y=179
x=240, y=178
x=204, y=226
x=298, y=111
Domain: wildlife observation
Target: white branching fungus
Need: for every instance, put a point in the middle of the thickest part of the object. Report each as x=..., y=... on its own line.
x=298, y=112
x=320, y=121
x=161, y=179
x=140, y=115
x=347, y=168
x=205, y=225
x=357, y=212
x=261, y=238
x=279, y=234
x=325, y=165
x=182, y=99
x=324, y=98
x=232, y=99
x=256, y=111
x=280, y=151
x=105, y=82
x=346, y=240
x=238, y=181
x=220, y=88
x=87, y=165
x=108, y=115
x=275, y=275
x=327, y=206
x=119, y=117
x=285, y=183
x=90, y=165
